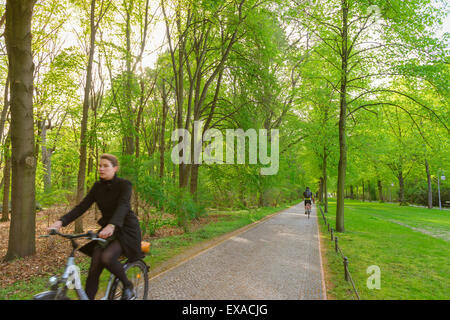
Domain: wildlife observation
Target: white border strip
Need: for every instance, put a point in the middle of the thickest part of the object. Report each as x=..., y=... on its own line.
x=324, y=289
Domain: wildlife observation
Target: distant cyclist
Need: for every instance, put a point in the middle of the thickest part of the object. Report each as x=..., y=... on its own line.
x=308, y=196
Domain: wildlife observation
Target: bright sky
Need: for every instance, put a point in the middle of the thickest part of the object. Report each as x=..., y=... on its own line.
x=156, y=36
x=446, y=27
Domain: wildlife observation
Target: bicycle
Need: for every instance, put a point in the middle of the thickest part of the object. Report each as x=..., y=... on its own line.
x=137, y=273
x=308, y=209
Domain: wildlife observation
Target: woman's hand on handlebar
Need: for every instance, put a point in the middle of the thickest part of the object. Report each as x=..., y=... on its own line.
x=55, y=226
x=107, y=231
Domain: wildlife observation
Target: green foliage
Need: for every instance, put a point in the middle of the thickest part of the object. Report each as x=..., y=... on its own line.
x=51, y=197
x=283, y=72
x=159, y=196
x=181, y=204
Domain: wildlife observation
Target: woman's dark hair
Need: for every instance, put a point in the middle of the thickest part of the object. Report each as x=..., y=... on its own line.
x=111, y=158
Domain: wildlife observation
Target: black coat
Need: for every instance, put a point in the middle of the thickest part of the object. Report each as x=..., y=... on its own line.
x=113, y=200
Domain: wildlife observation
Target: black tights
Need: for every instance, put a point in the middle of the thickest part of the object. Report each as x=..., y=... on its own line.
x=105, y=258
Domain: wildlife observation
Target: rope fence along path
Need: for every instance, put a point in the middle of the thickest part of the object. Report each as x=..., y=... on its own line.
x=347, y=275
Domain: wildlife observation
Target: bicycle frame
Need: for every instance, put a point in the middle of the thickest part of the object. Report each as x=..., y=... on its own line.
x=308, y=208
x=71, y=277
x=110, y=284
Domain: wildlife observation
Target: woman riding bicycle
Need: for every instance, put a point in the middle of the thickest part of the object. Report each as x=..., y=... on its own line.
x=119, y=225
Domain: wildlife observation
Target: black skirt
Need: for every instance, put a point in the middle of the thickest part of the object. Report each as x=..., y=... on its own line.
x=129, y=237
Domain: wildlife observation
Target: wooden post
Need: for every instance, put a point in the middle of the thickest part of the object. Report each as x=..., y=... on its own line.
x=346, y=268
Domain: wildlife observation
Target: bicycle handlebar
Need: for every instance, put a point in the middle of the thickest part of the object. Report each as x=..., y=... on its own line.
x=89, y=235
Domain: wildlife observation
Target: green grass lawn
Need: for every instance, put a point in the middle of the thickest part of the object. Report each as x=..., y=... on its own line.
x=410, y=246
x=162, y=249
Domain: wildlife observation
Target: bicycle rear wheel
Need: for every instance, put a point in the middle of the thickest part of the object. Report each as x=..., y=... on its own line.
x=137, y=273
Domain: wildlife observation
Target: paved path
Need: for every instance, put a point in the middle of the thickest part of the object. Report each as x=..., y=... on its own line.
x=277, y=259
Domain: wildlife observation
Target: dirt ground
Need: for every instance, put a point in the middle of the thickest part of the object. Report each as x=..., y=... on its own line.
x=52, y=252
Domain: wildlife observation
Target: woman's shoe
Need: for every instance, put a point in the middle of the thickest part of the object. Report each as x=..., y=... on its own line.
x=128, y=294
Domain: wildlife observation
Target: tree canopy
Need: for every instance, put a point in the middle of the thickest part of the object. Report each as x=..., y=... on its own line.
x=358, y=91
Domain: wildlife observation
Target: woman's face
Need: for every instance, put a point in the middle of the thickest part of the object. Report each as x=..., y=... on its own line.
x=106, y=169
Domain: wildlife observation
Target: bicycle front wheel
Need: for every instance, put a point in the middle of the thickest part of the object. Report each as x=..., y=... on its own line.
x=137, y=273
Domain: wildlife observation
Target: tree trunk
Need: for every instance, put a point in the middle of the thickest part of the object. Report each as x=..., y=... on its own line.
x=194, y=180
x=174, y=166
x=84, y=121
x=183, y=175
x=93, y=146
x=260, y=199
x=129, y=132
x=380, y=191
x=23, y=162
x=321, y=189
x=46, y=159
x=342, y=167
x=38, y=126
x=195, y=154
x=6, y=180
x=401, y=191
x=162, y=142
x=430, y=191
x=5, y=107
x=137, y=141
x=325, y=181
x=179, y=86
x=363, y=192
x=91, y=153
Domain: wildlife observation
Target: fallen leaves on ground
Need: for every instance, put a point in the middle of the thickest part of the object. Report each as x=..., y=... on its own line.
x=52, y=252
